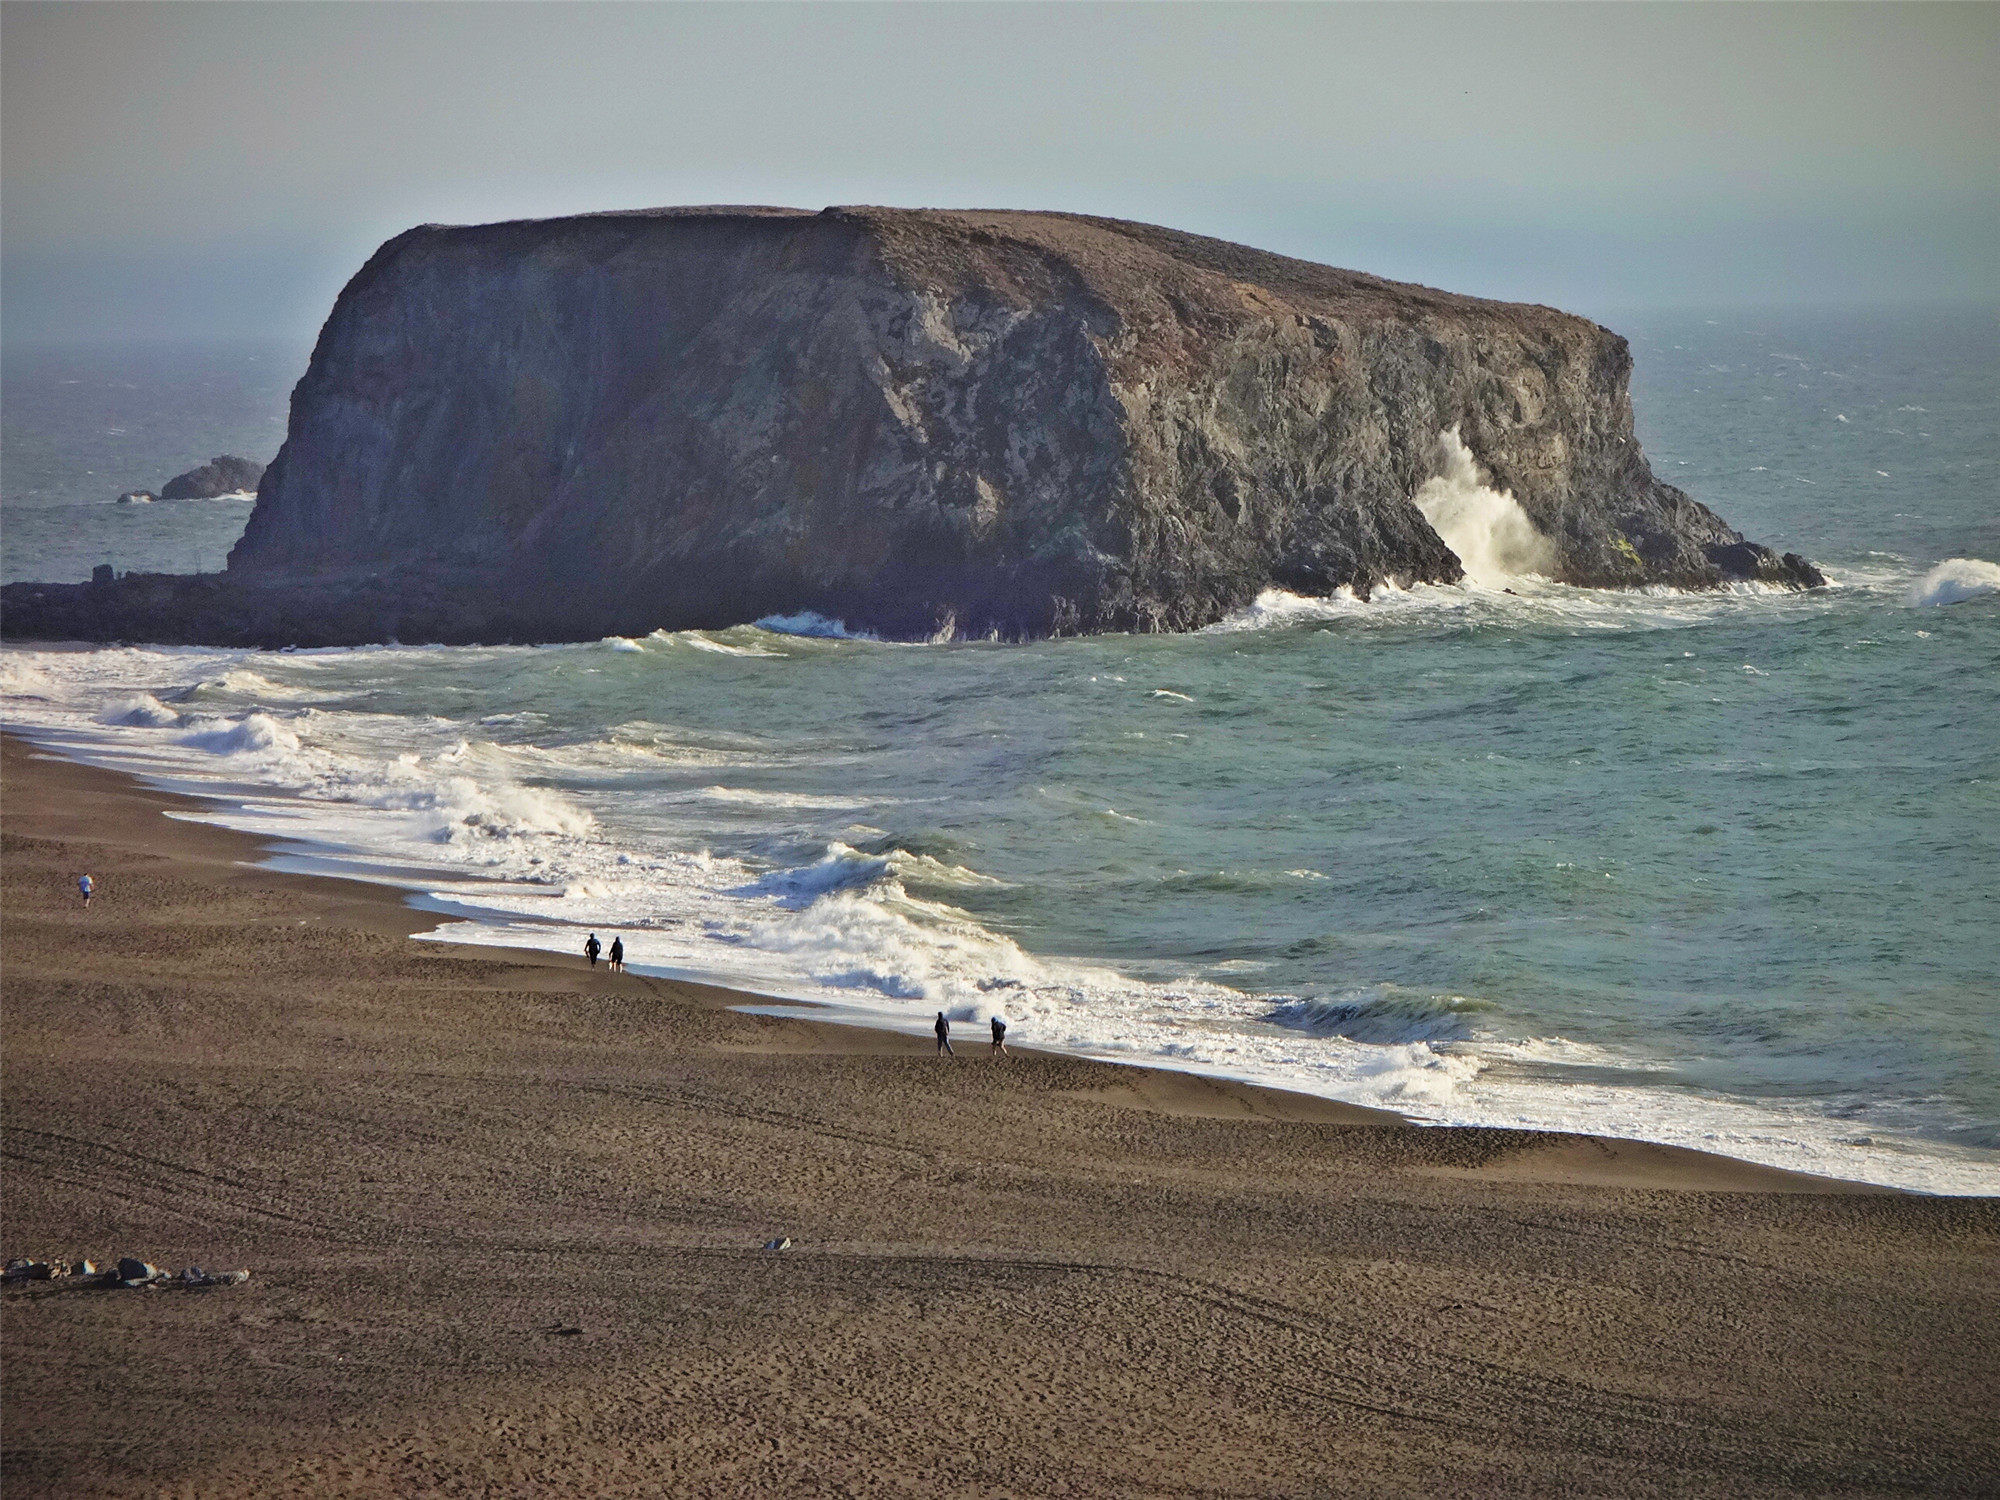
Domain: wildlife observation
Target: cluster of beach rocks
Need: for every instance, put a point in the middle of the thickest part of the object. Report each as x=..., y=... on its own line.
x=129, y=1272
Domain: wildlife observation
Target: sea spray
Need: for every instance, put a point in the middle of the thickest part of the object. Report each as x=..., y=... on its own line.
x=1492, y=535
x=1956, y=580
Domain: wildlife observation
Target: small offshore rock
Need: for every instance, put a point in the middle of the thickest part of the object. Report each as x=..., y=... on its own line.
x=224, y=474
x=137, y=497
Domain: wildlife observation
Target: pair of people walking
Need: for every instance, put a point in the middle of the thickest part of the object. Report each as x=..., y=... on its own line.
x=616, y=957
x=943, y=1029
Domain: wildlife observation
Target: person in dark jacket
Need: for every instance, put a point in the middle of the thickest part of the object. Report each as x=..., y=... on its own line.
x=592, y=948
x=617, y=955
x=999, y=1037
x=943, y=1030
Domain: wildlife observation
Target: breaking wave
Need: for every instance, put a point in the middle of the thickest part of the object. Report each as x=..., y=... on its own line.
x=1384, y=1014
x=1956, y=580
x=1492, y=535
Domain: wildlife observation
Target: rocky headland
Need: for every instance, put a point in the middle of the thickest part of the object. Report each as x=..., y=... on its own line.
x=915, y=421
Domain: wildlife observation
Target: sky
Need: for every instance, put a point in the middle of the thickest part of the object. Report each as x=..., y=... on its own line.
x=172, y=170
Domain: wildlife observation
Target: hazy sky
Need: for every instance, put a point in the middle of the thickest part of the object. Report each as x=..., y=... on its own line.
x=168, y=169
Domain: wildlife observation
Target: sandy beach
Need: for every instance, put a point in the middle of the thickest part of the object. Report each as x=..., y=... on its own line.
x=505, y=1218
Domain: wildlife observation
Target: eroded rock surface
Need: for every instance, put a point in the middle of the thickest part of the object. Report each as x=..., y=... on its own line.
x=911, y=420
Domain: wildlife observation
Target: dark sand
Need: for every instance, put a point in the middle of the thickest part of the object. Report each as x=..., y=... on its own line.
x=503, y=1215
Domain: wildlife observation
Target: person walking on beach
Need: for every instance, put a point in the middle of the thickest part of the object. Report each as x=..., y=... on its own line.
x=617, y=955
x=943, y=1030
x=999, y=1037
x=592, y=948
x=86, y=886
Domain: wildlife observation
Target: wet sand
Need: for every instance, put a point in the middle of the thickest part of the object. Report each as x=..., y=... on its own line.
x=504, y=1217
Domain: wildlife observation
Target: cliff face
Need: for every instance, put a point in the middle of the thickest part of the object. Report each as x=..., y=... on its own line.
x=914, y=420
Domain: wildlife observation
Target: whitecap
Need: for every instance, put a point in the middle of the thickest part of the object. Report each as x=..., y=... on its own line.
x=142, y=710
x=1956, y=580
x=810, y=623
x=254, y=734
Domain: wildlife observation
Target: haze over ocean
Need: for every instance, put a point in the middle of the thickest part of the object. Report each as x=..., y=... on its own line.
x=1708, y=869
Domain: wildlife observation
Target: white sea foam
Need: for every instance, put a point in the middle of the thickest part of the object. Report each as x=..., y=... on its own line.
x=1533, y=600
x=791, y=800
x=140, y=709
x=1487, y=528
x=257, y=735
x=23, y=678
x=808, y=623
x=1956, y=580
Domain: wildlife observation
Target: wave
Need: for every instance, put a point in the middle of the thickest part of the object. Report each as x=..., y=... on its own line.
x=252, y=735
x=799, y=801
x=1385, y=1014
x=840, y=868
x=1532, y=600
x=142, y=709
x=1485, y=527
x=242, y=683
x=1956, y=580
x=813, y=625
x=20, y=678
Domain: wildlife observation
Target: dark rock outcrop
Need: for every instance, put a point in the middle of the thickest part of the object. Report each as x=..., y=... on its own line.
x=223, y=475
x=911, y=420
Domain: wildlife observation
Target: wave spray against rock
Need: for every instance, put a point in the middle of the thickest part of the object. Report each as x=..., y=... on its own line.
x=1487, y=528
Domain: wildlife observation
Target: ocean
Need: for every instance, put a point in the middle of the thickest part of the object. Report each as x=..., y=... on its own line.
x=1719, y=870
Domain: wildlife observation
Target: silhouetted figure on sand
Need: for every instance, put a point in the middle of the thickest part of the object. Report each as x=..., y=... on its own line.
x=618, y=955
x=999, y=1037
x=943, y=1030
x=591, y=949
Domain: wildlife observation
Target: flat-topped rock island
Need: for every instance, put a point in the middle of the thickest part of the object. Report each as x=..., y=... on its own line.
x=920, y=422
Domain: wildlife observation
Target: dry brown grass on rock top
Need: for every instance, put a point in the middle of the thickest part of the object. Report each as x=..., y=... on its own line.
x=436, y=1160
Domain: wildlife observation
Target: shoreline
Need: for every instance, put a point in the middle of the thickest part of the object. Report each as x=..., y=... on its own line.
x=1737, y=1060
x=506, y=1220
x=386, y=908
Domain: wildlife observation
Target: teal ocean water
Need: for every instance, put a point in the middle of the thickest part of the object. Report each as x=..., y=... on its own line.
x=1720, y=870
